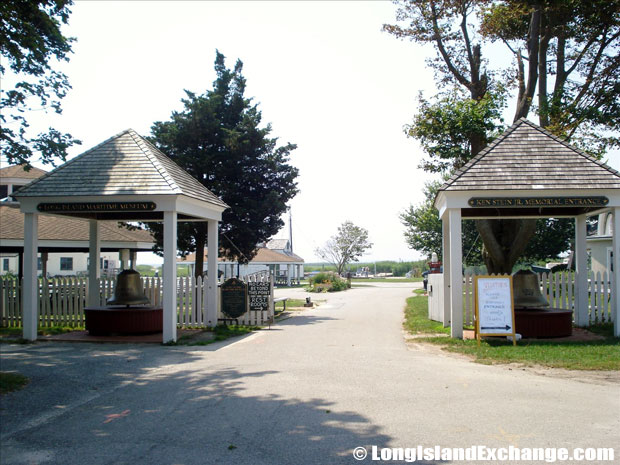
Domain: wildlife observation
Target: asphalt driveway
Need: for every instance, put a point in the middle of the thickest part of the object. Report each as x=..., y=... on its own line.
x=308, y=391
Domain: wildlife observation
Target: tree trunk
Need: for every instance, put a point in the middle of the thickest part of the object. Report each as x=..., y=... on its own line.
x=506, y=239
x=504, y=242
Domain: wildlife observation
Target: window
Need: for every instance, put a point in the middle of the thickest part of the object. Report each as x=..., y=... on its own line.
x=4, y=191
x=5, y=264
x=66, y=263
x=39, y=264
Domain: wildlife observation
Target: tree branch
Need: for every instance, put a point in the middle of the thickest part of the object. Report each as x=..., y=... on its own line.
x=446, y=58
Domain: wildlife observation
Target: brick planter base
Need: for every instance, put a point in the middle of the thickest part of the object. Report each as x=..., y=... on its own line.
x=122, y=320
x=544, y=323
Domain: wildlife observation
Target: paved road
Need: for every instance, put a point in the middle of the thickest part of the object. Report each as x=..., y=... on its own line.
x=308, y=391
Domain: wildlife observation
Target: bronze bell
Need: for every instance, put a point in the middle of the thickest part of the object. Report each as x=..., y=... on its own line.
x=128, y=290
x=526, y=290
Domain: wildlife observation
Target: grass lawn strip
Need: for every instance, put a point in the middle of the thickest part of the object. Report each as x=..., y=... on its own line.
x=573, y=355
x=291, y=303
x=217, y=334
x=15, y=334
x=11, y=381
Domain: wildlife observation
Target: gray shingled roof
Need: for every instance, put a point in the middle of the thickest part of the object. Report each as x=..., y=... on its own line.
x=527, y=157
x=17, y=171
x=125, y=164
x=277, y=244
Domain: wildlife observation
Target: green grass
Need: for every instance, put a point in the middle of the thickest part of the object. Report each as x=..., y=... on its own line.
x=573, y=355
x=416, y=318
x=592, y=355
x=290, y=303
x=12, y=333
x=10, y=382
x=387, y=280
x=222, y=332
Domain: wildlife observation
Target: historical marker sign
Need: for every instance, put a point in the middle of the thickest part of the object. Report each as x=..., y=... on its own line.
x=494, y=306
x=234, y=298
x=258, y=294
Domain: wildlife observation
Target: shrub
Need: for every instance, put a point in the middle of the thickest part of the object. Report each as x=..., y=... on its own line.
x=322, y=278
x=327, y=281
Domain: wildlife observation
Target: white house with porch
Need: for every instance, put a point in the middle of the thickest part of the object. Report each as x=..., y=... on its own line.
x=63, y=242
x=125, y=178
x=529, y=173
x=276, y=257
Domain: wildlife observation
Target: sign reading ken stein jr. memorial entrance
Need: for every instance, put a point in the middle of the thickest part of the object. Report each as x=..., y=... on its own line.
x=490, y=202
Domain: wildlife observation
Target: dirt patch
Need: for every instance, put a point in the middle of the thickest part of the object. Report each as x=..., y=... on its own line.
x=579, y=335
x=583, y=376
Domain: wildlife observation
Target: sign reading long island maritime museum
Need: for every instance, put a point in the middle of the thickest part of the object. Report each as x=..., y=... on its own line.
x=74, y=207
x=537, y=202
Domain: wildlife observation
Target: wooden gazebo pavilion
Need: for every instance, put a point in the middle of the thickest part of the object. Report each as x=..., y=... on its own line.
x=528, y=173
x=125, y=178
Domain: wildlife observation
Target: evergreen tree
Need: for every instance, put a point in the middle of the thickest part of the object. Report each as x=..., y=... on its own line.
x=217, y=139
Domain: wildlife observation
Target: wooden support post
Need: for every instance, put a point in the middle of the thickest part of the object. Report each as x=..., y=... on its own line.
x=615, y=276
x=170, y=277
x=212, y=255
x=445, y=226
x=30, y=283
x=581, y=273
x=456, y=274
x=94, y=271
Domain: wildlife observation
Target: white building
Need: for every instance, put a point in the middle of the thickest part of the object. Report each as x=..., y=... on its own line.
x=276, y=256
x=63, y=241
x=600, y=244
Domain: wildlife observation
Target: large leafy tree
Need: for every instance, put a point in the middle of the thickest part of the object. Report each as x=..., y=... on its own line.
x=30, y=43
x=218, y=139
x=560, y=48
x=345, y=247
x=423, y=233
x=423, y=230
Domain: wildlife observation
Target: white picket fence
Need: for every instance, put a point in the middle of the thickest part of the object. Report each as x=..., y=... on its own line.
x=557, y=288
x=62, y=300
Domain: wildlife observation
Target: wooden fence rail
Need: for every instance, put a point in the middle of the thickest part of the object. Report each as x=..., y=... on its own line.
x=557, y=288
x=62, y=300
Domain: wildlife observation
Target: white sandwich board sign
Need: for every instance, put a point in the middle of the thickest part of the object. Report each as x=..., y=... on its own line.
x=495, y=314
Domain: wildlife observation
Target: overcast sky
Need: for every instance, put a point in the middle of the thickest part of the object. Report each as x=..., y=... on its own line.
x=325, y=75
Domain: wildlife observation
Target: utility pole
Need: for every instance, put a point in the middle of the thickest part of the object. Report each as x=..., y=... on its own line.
x=290, y=227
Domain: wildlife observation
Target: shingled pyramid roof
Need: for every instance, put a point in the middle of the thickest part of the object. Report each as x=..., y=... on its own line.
x=527, y=157
x=125, y=164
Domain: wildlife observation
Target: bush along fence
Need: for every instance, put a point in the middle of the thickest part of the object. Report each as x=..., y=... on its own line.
x=62, y=300
x=557, y=288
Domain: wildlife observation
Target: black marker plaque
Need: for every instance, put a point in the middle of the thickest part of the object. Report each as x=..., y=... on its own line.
x=234, y=298
x=258, y=294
